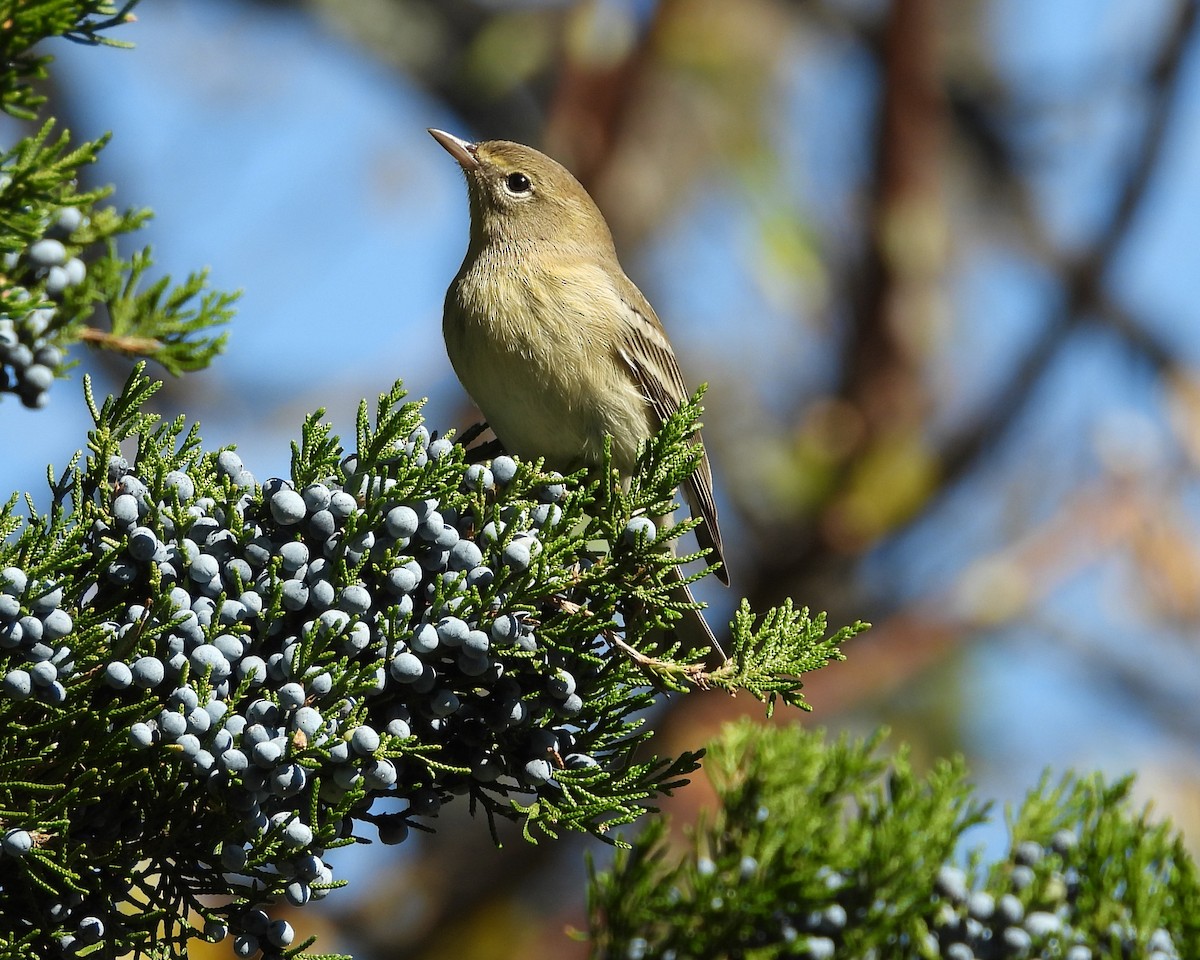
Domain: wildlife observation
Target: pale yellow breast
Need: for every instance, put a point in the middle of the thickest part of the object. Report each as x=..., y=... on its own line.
x=538, y=355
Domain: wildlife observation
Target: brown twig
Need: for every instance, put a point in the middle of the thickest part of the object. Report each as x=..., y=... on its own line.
x=694, y=672
x=136, y=346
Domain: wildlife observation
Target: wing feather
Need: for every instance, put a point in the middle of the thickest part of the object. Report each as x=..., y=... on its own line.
x=648, y=354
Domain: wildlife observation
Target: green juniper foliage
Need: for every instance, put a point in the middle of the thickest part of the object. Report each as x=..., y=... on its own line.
x=62, y=279
x=205, y=682
x=824, y=849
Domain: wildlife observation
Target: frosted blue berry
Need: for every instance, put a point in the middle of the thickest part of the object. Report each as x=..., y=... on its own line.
x=419, y=438
x=505, y=629
x=295, y=594
x=118, y=675
x=439, y=448
x=430, y=526
x=254, y=668
x=90, y=929
x=1021, y=877
x=333, y=622
x=31, y=630
x=465, y=555
x=189, y=744
x=448, y=537
x=229, y=464
x=452, y=631
x=289, y=780
x=181, y=483
x=404, y=579
x=504, y=469
x=981, y=905
x=1064, y=841
x=268, y=753
x=291, y=695
x=76, y=271
x=517, y=554
x=297, y=834
x=204, y=568
x=141, y=735
x=68, y=220
x=476, y=643
x=48, y=253
x=207, y=657
x=640, y=529
x=1009, y=909
x=322, y=524
x=321, y=595
x=479, y=477
x=480, y=576
x=819, y=948
x=16, y=842
x=280, y=933
x=546, y=514
x=37, y=377
x=561, y=685
x=1028, y=852
x=56, y=625
x=320, y=685
x=308, y=720
x=234, y=760
x=1040, y=923
x=444, y=703
x=125, y=510
x=48, y=355
x=231, y=647
x=316, y=497
x=17, y=684
x=355, y=599
x=401, y=522
x=425, y=639
x=342, y=504
x=399, y=727
x=364, y=740
x=379, y=774
x=951, y=883
x=142, y=543
x=173, y=725
x=198, y=721
x=406, y=668
x=1016, y=941
x=287, y=507
x=293, y=555
x=538, y=772
x=148, y=672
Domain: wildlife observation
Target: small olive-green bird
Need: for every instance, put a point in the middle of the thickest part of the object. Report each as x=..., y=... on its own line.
x=550, y=338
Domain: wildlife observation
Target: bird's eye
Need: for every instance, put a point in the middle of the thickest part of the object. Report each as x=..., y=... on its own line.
x=518, y=184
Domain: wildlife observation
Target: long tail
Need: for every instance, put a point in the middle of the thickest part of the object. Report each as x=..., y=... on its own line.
x=693, y=631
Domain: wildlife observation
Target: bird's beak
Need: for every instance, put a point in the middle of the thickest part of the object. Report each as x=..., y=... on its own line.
x=461, y=150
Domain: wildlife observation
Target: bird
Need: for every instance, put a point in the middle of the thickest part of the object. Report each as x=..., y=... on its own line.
x=553, y=342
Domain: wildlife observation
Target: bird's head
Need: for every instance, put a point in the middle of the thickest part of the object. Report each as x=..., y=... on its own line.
x=521, y=196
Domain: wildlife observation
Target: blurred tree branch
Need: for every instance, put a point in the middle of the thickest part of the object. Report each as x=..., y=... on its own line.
x=873, y=353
